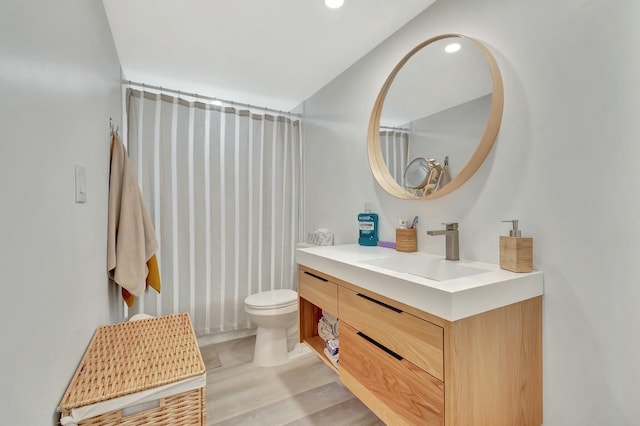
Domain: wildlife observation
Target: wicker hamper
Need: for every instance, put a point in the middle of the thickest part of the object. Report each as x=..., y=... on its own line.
x=147, y=372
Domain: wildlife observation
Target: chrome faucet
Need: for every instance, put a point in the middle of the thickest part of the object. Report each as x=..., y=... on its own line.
x=451, y=241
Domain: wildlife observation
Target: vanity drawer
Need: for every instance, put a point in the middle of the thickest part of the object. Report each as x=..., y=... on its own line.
x=318, y=290
x=415, y=339
x=390, y=385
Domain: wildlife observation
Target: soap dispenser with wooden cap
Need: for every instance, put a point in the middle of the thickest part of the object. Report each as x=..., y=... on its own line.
x=516, y=252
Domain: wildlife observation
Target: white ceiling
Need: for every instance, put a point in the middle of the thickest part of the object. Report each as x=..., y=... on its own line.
x=273, y=53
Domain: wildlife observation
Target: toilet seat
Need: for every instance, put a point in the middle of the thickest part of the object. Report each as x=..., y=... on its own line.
x=272, y=299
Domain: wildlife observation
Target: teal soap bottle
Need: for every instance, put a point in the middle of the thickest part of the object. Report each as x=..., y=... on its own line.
x=368, y=228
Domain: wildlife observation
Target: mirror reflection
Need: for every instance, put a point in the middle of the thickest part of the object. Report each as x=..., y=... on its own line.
x=437, y=106
x=425, y=176
x=416, y=175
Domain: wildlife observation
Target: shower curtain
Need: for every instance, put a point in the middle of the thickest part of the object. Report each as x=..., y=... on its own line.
x=395, y=148
x=222, y=186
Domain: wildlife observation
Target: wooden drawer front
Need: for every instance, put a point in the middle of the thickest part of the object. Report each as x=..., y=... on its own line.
x=415, y=339
x=404, y=390
x=319, y=291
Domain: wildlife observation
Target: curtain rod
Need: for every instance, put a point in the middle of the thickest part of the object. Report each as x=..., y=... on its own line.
x=402, y=129
x=207, y=98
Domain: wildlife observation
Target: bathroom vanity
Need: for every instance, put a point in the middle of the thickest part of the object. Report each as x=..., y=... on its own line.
x=428, y=341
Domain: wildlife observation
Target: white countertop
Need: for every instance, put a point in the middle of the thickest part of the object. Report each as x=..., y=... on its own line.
x=451, y=299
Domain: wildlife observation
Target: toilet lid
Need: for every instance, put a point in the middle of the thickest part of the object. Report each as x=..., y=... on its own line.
x=272, y=299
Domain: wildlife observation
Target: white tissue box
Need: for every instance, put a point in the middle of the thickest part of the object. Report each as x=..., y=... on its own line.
x=320, y=238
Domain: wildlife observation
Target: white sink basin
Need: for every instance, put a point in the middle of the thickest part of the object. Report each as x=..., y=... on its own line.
x=426, y=266
x=447, y=289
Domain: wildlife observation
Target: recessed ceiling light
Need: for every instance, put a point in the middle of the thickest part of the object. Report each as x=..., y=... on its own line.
x=333, y=4
x=452, y=48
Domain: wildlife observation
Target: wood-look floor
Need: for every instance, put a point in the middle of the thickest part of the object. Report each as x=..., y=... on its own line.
x=302, y=392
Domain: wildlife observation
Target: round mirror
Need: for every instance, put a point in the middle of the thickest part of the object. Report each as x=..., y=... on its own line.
x=437, y=113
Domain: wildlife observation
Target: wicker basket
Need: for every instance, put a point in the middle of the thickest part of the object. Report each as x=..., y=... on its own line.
x=124, y=359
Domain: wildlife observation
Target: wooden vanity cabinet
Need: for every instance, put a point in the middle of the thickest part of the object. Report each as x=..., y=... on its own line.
x=411, y=367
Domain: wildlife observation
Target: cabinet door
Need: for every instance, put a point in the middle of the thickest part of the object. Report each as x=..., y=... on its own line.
x=415, y=339
x=395, y=389
x=318, y=290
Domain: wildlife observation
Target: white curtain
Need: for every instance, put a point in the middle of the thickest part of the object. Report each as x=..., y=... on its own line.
x=222, y=186
x=395, y=148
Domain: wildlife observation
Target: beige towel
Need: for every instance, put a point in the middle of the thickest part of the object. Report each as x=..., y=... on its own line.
x=131, y=240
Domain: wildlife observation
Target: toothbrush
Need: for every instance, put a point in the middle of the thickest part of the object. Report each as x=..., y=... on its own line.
x=414, y=222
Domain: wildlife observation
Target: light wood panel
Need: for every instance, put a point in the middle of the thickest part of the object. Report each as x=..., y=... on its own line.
x=404, y=307
x=372, y=401
x=308, y=330
x=309, y=315
x=318, y=290
x=317, y=345
x=409, y=393
x=416, y=340
x=494, y=367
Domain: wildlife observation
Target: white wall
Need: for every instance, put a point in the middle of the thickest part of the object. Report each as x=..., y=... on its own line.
x=452, y=133
x=565, y=163
x=59, y=84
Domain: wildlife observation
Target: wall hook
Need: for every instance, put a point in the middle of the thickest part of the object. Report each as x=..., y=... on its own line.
x=113, y=129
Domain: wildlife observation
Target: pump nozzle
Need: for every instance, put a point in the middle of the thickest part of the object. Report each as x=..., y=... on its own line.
x=514, y=232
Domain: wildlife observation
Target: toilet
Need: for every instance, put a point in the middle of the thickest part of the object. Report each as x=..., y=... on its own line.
x=275, y=312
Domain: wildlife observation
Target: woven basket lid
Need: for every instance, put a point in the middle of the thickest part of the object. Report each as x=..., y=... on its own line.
x=134, y=356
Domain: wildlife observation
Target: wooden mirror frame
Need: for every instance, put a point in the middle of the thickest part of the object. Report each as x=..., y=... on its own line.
x=376, y=160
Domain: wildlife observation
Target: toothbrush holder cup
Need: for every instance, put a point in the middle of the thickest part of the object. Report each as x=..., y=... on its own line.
x=406, y=240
